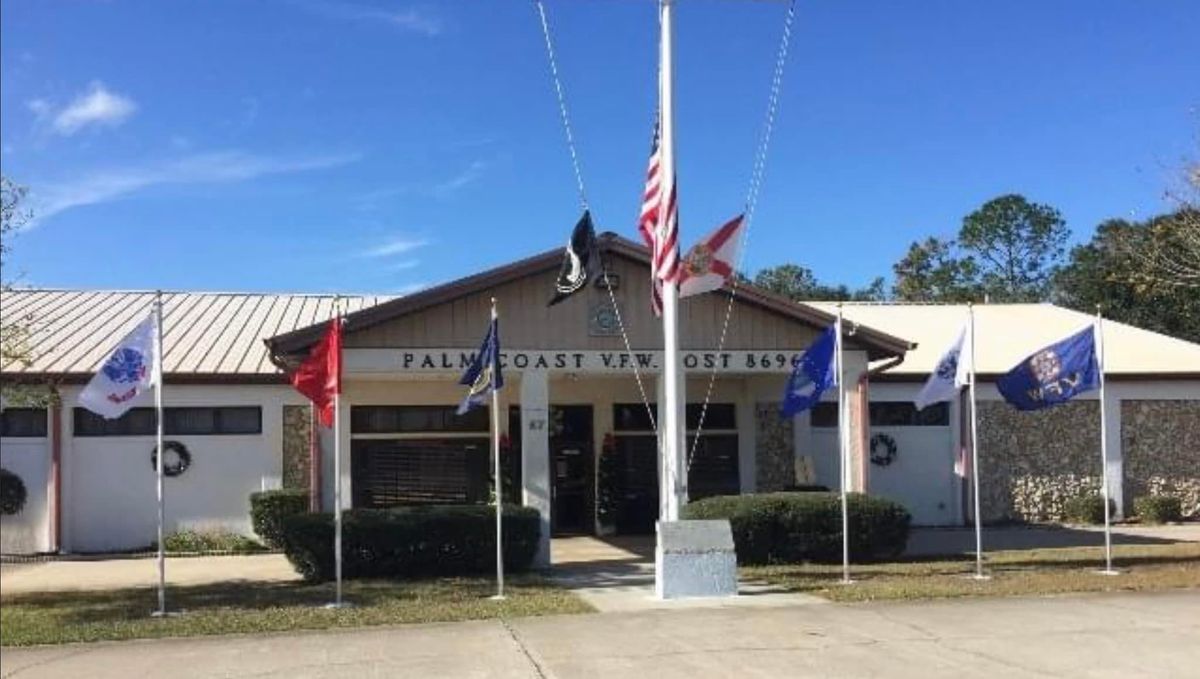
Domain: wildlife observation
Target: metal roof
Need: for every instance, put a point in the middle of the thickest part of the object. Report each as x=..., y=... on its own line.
x=1007, y=333
x=204, y=333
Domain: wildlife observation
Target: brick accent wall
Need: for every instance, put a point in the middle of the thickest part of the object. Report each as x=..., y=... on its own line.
x=776, y=448
x=1032, y=462
x=1161, y=445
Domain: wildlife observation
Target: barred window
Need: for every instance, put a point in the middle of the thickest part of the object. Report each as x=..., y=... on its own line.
x=905, y=414
x=416, y=419
x=633, y=416
x=180, y=421
x=23, y=422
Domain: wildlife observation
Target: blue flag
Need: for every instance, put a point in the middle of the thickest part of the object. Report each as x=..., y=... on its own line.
x=811, y=375
x=1053, y=375
x=483, y=376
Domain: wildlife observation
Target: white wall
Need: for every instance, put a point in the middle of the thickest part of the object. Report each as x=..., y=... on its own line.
x=29, y=531
x=109, y=482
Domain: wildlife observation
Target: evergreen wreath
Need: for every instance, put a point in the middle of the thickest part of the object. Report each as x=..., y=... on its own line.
x=172, y=469
x=888, y=454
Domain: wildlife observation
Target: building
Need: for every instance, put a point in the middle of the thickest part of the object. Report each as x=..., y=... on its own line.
x=577, y=407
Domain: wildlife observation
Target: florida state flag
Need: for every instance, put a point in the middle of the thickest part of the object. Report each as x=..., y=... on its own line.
x=319, y=377
x=709, y=264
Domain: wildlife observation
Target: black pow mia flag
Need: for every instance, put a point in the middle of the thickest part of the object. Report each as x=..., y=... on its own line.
x=579, y=260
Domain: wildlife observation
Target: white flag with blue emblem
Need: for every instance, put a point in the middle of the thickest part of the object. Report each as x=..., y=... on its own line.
x=952, y=372
x=130, y=370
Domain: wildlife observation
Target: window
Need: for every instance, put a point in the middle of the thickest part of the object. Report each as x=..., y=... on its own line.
x=198, y=421
x=23, y=422
x=416, y=419
x=905, y=414
x=824, y=415
x=633, y=416
x=389, y=473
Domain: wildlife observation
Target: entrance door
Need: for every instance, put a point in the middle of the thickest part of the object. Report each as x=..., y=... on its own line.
x=571, y=456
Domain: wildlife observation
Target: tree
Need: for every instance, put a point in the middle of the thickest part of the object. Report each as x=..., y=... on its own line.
x=930, y=272
x=1006, y=251
x=1114, y=272
x=15, y=331
x=1171, y=253
x=799, y=284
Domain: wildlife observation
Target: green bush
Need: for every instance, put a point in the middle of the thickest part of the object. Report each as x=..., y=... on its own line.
x=12, y=493
x=1087, y=508
x=269, y=508
x=797, y=527
x=412, y=541
x=1158, y=508
x=211, y=541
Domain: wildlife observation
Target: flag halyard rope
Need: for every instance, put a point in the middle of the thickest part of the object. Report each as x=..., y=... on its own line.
x=575, y=164
x=752, y=192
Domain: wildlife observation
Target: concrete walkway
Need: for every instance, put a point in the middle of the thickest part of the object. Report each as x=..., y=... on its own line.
x=60, y=576
x=1115, y=635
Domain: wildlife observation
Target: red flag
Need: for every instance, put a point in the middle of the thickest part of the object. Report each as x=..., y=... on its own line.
x=320, y=376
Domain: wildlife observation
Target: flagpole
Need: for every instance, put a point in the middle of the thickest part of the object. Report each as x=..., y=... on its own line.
x=1098, y=332
x=158, y=458
x=499, y=481
x=842, y=440
x=975, y=448
x=337, y=465
x=674, y=485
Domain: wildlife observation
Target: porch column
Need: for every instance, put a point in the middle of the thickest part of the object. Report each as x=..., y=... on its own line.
x=535, y=454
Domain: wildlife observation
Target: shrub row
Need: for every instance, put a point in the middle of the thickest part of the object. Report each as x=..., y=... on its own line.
x=796, y=527
x=269, y=508
x=1088, y=508
x=411, y=541
x=210, y=541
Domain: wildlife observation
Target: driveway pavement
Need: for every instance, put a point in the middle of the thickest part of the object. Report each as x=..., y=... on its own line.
x=1111, y=635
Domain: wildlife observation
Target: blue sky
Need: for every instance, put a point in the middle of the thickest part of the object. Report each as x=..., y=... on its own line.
x=321, y=145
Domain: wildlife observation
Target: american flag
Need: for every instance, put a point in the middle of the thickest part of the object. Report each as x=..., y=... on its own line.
x=659, y=232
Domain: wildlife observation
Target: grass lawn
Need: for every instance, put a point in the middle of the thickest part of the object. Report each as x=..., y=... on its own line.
x=1023, y=572
x=61, y=617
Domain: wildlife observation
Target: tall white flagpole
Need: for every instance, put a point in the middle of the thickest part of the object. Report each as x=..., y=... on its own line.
x=499, y=480
x=337, y=465
x=158, y=458
x=842, y=446
x=975, y=447
x=1098, y=333
x=674, y=485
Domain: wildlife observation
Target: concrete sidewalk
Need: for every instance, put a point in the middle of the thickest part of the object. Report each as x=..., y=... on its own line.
x=1117, y=635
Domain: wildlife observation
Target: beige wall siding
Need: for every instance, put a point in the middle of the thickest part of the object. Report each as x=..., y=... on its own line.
x=527, y=323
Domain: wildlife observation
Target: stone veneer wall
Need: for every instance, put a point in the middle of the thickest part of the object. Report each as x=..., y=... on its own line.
x=1160, y=441
x=1032, y=462
x=776, y=449
x=297, y=427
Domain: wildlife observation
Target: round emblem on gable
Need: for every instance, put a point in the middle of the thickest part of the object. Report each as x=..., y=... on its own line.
x=699, y=260
x=1045, y=365
x=125, y=366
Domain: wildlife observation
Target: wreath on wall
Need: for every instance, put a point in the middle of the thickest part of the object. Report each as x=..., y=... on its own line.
x=183, y=458
x=889, y=450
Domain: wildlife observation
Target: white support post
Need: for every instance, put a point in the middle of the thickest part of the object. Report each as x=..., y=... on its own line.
x=160, y=453
x=843, y=447
x=499, y=481
x=979, y=575
x=1098, y=332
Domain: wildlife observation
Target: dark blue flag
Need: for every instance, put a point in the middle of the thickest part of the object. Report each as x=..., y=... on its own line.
x=811, y=375
x=483, y=376
x=1053, y=375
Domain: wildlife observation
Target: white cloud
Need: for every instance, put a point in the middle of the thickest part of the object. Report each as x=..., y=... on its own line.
x=206, y=168
x=473, y=172
x=408, y=20
x=395, y=246
x=96, y=106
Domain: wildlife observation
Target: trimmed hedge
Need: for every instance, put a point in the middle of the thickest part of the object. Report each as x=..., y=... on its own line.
x=1158, y=508
x=269, y=508
x=403, y=542
x=12, y=493
x=200, y=541
x=1087, y=508
x=796, y=527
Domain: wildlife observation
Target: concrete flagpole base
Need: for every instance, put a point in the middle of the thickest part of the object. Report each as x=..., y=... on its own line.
x=1108, y=571
x=497, y=597
x=334, y=605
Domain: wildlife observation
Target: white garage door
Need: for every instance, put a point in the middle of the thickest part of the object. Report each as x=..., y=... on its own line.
x=920, y=475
